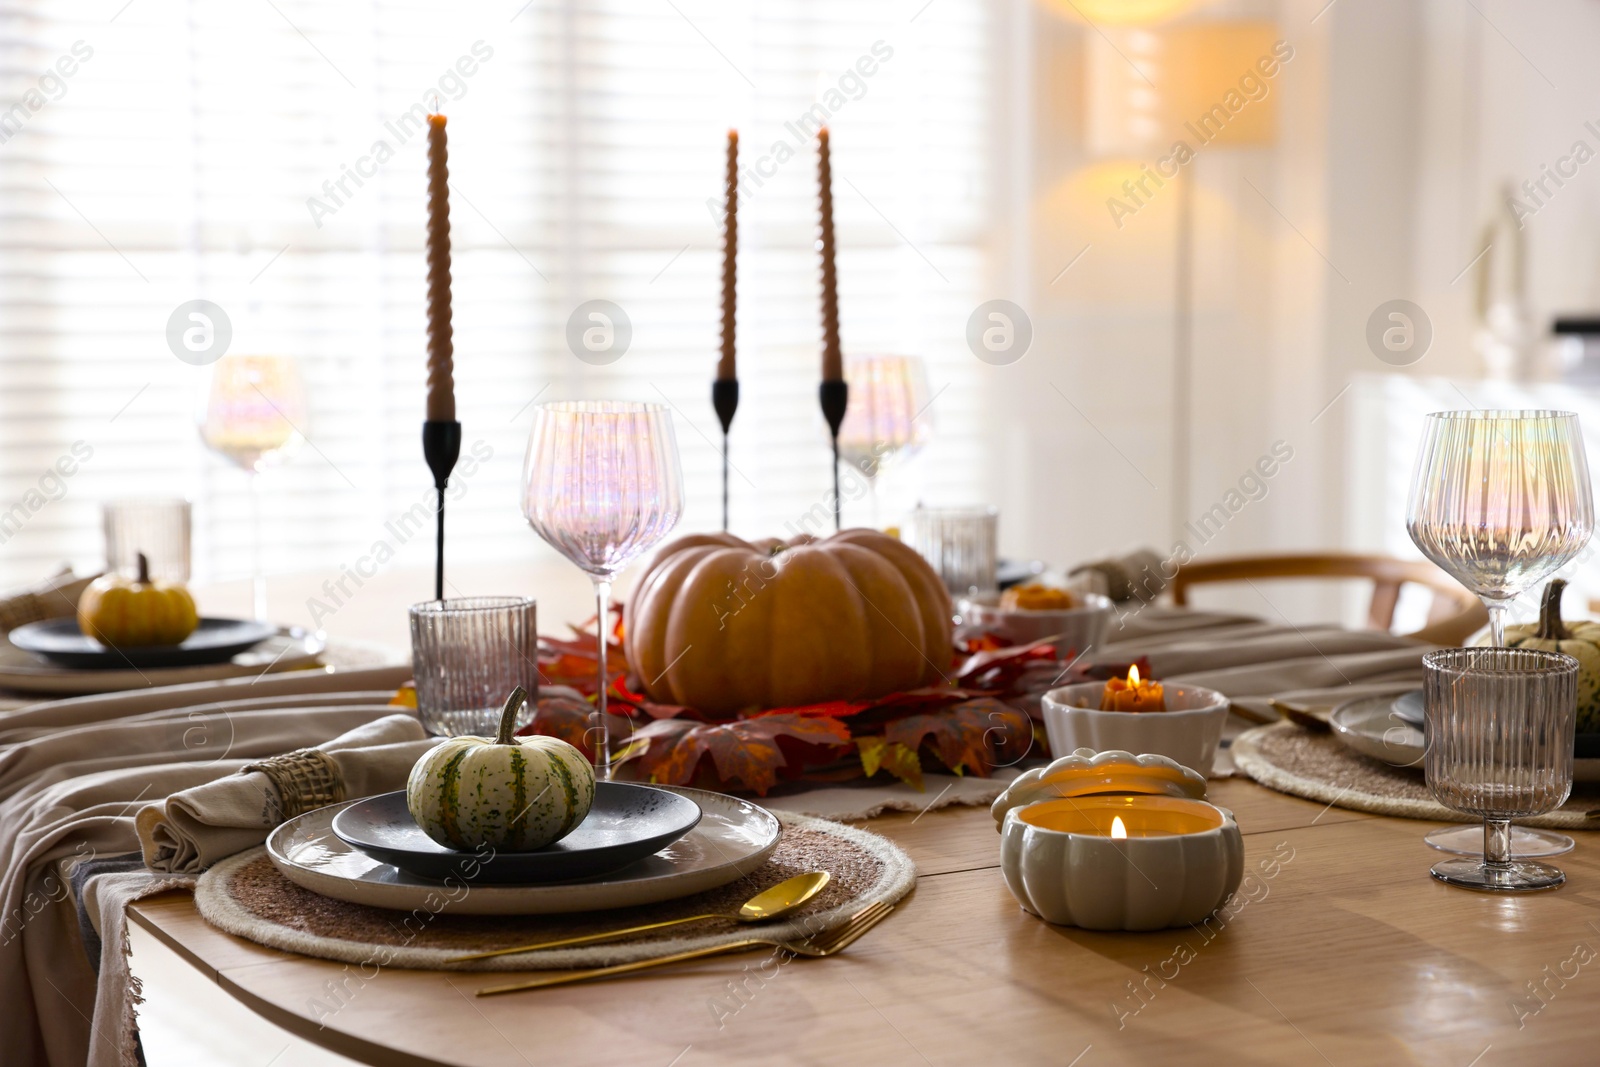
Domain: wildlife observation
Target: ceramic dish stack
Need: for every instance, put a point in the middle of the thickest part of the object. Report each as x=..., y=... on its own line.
x=54, y=658
x=639, y=845
x=1390, y=728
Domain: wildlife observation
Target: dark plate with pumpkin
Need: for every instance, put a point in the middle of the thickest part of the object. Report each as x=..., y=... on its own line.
x=627, y=823
x=215, y=641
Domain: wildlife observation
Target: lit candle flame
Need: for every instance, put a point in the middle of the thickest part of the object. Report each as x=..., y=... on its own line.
x=1133, y=676
x=1117, y=829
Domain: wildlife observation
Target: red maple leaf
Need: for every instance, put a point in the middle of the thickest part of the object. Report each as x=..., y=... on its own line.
x=998, y=669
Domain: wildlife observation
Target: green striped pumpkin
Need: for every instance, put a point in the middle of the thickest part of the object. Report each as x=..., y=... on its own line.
x=509, y=793
x=1580, y=640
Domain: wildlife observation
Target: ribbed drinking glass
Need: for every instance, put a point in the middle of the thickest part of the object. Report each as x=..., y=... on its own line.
x=467, y=655
x=961, y=544
x=602, y=484
x=1500, y=728
x=158, y=528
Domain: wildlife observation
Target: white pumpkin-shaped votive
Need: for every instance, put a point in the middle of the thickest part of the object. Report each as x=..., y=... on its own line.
x=508, y=793
x=1113, y=841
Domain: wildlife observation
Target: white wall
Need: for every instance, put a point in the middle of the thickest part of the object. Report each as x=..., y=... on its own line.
x=1397, y=121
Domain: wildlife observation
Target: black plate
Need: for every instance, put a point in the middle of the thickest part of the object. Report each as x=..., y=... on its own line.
x=628, y=822
x=215, y=641
x=1408, y=709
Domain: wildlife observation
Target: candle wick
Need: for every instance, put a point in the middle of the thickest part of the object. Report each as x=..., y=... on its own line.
x=434, y=110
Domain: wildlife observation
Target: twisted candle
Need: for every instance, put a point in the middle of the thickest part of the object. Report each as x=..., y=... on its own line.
x=441, y=351
x=726, y=367
x=832, y=359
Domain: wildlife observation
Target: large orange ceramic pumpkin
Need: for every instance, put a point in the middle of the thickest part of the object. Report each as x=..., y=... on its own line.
x=721, y=625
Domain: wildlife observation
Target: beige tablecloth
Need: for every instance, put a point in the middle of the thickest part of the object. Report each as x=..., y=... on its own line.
x=74, y=774
x=68, y=802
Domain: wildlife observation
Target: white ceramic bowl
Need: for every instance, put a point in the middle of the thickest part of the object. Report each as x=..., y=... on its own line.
x=1188, y=733
x=1060, y=865
x=1077, y=629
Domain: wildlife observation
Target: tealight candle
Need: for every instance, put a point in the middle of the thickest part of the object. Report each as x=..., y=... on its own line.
x=1155, y=856
x=1132, y=694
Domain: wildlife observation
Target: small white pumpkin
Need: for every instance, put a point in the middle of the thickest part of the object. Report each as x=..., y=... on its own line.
x=509, y=793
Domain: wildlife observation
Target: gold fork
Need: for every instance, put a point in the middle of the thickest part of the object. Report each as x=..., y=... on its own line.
x=824, y=944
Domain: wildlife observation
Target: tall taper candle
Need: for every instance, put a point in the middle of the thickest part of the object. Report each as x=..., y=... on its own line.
x=441, y=350
x=832, y=359
x=727, y=367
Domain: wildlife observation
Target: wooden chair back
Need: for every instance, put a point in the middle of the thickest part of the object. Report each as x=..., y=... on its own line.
x=1455, y=613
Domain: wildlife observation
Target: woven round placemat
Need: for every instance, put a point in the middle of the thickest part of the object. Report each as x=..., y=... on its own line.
x=1317, y=766
x=245, y=895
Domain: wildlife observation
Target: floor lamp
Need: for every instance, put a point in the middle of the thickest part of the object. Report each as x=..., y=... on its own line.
x=1202, y=85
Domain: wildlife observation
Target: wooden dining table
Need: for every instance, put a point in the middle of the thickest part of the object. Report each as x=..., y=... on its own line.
x=1338, y=948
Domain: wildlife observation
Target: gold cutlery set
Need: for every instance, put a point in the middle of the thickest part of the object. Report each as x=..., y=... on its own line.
x=771, y=903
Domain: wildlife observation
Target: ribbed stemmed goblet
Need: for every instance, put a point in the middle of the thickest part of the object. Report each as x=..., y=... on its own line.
x=602, y=484
x=1500, y=726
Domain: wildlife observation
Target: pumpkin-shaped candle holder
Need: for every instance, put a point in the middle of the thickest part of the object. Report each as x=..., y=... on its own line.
x=1114, y=841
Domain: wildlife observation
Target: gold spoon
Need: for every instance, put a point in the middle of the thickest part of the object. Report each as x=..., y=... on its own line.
x=771, y=903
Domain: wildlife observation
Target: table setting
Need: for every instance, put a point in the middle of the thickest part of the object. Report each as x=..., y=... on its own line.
x=695, y=772
x=135, y=624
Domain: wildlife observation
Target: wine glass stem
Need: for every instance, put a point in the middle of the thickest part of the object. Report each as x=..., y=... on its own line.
x=258, y=577
x=1497, y=842
x=600, y=731
x=1497, y=623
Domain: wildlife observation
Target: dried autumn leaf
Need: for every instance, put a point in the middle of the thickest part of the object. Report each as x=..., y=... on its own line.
x=575, y=661
x=996, y=669
x=974, y=736
x=902, y=762
x=570, y=718
x=747, y=753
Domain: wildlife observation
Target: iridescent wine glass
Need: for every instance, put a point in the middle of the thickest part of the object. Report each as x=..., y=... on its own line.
x=1501, y=500
x=602, y=485
x=888, y=418
x=252, y=415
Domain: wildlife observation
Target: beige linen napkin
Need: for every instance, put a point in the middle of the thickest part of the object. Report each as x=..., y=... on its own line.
x=1132, y=624
x=1327, y=672
x=1214, y=655
x=47, y=716
x=76, y=804
x=191, y=830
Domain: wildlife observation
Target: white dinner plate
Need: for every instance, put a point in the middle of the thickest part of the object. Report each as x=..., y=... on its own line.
x=289, y=649
x=1370, y=726
x=733, y=838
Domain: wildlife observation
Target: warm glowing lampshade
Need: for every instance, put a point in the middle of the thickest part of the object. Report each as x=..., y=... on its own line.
x=1203, y=83
x=1121, y=12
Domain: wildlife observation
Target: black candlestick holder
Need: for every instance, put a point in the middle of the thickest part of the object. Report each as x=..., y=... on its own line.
x=835, y=398
x=725, y=401
x=441, y=447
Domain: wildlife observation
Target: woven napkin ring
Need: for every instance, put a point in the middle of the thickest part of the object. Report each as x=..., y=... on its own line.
x=20, y=610
x=305, y=780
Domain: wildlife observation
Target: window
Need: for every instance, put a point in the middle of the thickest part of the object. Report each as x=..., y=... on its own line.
x=260, y=156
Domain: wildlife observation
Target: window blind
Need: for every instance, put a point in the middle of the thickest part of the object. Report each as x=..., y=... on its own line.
x=231, y=152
